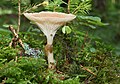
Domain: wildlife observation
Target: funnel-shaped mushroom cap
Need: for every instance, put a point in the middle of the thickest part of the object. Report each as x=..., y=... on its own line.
x=49, y=22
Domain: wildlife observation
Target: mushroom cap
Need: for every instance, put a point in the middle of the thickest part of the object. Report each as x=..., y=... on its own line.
x=51, y=17
x=49, y=22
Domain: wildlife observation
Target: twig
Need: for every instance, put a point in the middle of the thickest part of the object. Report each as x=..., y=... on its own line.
x=44, y=3
x=3, y=81
x=88, y=70
x=13, y=31
x=16, y=58
x=15, y=39
x=35, y=6
x=68, y=10
x=19, y=16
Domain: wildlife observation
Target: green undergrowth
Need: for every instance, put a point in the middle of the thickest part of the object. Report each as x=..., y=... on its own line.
x=80, y=59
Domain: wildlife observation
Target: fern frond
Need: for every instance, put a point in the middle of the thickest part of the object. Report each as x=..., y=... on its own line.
x=83, y=7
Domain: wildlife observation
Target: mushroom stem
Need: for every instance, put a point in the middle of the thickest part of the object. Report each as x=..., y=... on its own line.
x=49, y=53
x=49, y=50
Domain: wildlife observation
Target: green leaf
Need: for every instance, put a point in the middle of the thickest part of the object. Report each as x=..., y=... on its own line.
x=66, y=29
x=10, y=80
x=92, y=50
x=63, y=29
x=4, y=31
x=93, y=27
x=90, y=18
x=2, y=60
x=97, y=23
x=82, y=76
x=5, y=11
x=90, y=21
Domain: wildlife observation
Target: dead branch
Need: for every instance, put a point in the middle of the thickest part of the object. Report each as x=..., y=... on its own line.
x=19, y=16
x=88, y=70
x=15, y=39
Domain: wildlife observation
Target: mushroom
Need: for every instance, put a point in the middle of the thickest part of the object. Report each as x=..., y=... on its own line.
x=49, y=23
